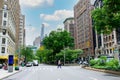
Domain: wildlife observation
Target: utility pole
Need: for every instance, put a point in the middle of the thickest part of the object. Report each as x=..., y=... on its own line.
x=64, y=56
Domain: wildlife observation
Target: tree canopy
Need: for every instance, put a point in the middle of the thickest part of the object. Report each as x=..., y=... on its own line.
x=27, y=53
x=70, y=55
x=45, y=55
x=107, y=17
x=58, y=40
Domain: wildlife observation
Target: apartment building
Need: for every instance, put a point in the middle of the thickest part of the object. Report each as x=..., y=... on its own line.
x=83, y=28
x=22, y=31
x=9, y=27
x=108, y=45
x=69, y=25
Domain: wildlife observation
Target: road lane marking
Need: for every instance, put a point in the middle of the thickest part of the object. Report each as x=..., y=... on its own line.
x=92, y=78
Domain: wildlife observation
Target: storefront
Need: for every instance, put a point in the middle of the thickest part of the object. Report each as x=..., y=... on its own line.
x=4, y=59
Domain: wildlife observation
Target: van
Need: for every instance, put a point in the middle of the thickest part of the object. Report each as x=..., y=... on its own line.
x=35, y=63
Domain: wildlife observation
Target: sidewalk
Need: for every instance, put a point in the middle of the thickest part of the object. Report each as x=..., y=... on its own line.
x=5, y=73
x=102, y=70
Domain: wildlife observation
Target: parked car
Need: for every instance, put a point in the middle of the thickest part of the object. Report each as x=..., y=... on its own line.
x=1, y=66
x=35, y=63
x=29, y=64
x=85, y=63
x=80, y=62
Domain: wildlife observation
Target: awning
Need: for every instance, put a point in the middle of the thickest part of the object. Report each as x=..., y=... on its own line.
x=6, y=57
x=3, y=57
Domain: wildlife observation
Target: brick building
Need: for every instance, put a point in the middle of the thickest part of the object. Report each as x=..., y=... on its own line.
x=83, y=27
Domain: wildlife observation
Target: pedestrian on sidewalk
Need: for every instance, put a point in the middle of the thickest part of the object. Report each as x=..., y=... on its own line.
x=59, y=64
x=5, y=66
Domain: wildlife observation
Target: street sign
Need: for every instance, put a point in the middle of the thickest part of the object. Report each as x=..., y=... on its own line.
x=116, y=51
x=88, y=43
x=33, y=47
x=42, y=48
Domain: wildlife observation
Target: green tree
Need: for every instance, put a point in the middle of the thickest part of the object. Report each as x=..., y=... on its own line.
x=70, y=54
x=44, y=55
x=27, y=53
x=58, y=40
x=107, y=18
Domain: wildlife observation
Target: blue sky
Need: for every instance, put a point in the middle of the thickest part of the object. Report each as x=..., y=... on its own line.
x=50, y=12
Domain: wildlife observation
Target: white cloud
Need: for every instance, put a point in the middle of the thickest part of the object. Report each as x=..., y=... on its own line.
x=34, y=3
x=60, y=26
x=57, y=15
x=30, y=37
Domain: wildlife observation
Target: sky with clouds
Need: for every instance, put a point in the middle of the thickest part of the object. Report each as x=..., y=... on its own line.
x=50, y=12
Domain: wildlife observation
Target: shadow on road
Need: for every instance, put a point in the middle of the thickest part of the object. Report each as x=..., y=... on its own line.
x=107, y=74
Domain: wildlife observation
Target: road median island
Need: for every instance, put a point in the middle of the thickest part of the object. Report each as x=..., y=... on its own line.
x=102, y=70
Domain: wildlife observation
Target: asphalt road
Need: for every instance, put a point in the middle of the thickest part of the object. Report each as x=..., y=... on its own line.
x=46, y=72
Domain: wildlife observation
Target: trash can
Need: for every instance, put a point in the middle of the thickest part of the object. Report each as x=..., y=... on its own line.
x=16, y=68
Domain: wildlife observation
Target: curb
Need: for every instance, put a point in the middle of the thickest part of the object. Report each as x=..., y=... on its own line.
x=101, y=70
x=10, y=75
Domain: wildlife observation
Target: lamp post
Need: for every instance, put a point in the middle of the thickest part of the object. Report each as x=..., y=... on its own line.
x=64, y=57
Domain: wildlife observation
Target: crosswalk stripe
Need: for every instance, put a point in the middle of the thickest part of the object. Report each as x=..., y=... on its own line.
x=37, y=69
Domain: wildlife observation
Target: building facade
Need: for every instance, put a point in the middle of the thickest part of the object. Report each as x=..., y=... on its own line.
x=83, y=28
x=42, y=34
x=9, y=27
x=36, y=42
x=69, y=26
x=108, y=45
x=22, y=31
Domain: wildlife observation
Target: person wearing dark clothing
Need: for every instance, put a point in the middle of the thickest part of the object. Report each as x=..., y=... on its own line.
x=59, y=64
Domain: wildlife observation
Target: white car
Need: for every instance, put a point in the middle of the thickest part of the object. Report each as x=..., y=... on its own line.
x=35, y=63
x=85, y=63
x=29, y=64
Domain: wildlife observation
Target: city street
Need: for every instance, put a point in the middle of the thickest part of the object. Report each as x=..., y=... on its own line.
x=47, y=72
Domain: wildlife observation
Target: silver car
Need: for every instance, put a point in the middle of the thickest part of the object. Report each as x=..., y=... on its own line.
x=29, y=64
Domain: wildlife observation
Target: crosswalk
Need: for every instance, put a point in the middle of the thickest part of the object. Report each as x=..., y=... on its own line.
x=50, y=68
x=39, y=69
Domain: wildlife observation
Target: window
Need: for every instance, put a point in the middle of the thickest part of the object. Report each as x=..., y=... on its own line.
x=5, y=14
x=3, y=50
x=4, y=31
x=5, y=7
x=112, y=36
x=3, y=41
x=4, y=23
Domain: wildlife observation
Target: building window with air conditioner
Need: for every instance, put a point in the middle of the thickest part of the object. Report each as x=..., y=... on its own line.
x=4, y=31
x=5, y=7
